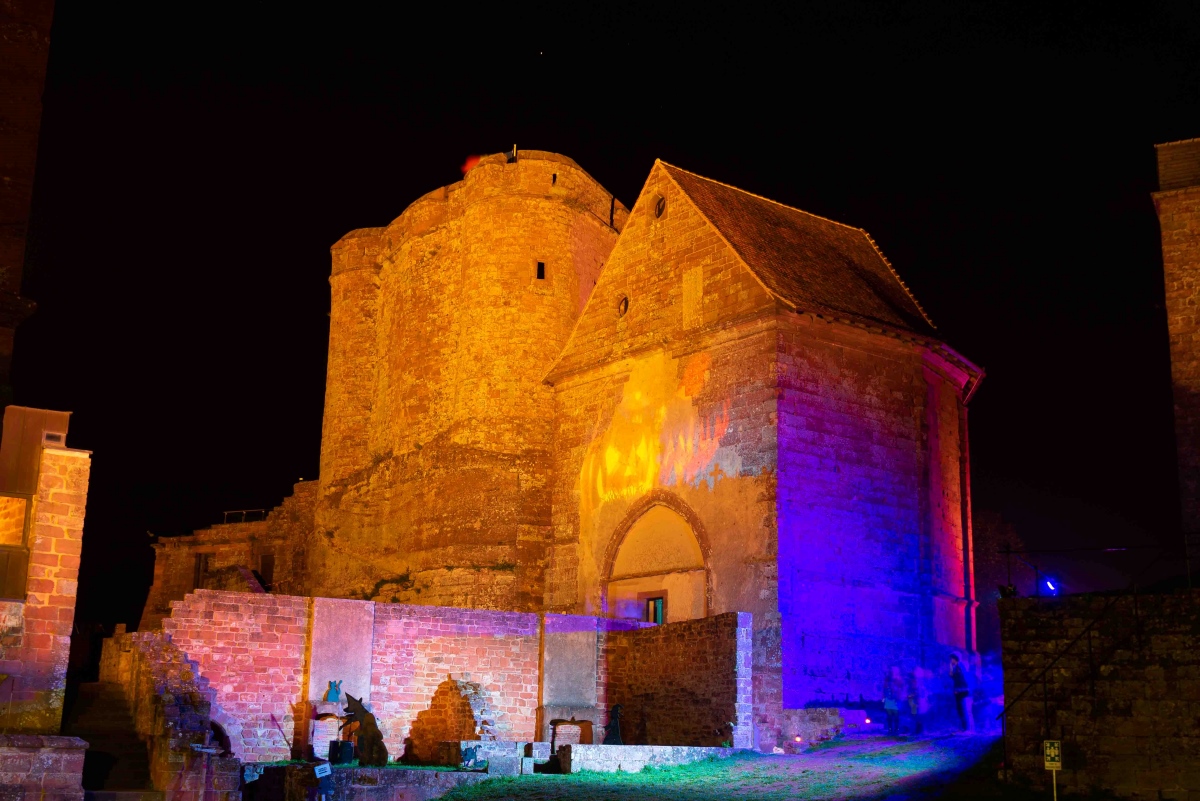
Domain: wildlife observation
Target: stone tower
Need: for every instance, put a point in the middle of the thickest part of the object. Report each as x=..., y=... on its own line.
x=1178, y=204
x=435, y=451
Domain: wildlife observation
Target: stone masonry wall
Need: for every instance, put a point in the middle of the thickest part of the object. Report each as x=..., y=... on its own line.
x=1179, y=221
x=171, y=704
x=686, y=683
x=672, y=403
x=871, y=543
x=435, y=483
x=251, y=650
x=231, y=546
x=36, y=635
x=1125, y=701
x=45, y=768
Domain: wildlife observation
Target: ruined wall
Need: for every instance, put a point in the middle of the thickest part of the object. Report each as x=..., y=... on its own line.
x=1123, y=700
x=253, y=654
x=684, y=683
x=1178, y=206
x=36, y=635
x=258, y=665
x=871, y=541
x=437, y=672
x=435, y=483
x=230, y=550
x=171, y=705
x=251, y=650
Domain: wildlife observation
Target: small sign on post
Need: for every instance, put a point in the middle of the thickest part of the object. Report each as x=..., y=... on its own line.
x=1052, y=752
x=324, y=773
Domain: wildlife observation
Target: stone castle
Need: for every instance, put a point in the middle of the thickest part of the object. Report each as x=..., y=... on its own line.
x=541, y=401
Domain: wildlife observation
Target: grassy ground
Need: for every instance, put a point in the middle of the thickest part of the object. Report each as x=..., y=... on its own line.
x=864, y=767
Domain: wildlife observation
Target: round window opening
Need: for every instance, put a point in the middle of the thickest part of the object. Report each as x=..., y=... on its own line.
x=660, y=206
x=622, y=305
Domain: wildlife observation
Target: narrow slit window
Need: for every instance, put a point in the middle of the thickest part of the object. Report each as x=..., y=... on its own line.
x=541, y=270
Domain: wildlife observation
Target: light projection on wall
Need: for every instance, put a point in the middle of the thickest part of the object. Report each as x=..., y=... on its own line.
x=658, y=437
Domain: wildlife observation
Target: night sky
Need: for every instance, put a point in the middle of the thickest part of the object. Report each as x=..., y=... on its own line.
x=196, y=165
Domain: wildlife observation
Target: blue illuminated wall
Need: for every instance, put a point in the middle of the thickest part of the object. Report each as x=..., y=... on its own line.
x=870, y=511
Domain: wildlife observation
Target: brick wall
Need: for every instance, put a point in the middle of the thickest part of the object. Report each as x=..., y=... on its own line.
x=469, y=660
x=251, y=650
x=686, y=683
x=36, y=635
x=1124, y=700
x=431, y=669
x=45, y=768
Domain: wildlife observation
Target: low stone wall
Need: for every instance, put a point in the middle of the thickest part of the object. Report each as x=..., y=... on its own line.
x=632, y=758
x=801, y=728
x=299, y=783
x=686, y=683
x=41, y=768
x=1125, y=700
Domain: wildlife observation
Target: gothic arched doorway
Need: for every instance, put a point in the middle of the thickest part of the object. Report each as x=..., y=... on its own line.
x=658, y=572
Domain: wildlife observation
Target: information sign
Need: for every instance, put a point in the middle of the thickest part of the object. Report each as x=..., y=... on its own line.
x=1052, y=750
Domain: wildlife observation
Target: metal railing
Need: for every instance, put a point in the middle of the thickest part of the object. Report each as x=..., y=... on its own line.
x=244, y=515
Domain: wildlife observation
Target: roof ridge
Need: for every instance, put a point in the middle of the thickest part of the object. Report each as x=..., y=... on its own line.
x=879, y=252
x=760, y=197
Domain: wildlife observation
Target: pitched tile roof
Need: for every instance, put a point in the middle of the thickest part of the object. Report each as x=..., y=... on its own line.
x=807, y=261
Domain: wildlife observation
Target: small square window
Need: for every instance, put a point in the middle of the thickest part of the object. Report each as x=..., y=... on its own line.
x=541, y=270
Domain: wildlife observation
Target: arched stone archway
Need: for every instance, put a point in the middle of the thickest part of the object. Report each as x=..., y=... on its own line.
x=658, y=566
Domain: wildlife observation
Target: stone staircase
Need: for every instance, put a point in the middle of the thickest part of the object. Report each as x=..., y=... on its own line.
x=151, y=703
x=117, y=758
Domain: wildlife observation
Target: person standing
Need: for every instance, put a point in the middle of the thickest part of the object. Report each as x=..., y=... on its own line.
x=918, y=699
x=962, y=692
x=893, y=689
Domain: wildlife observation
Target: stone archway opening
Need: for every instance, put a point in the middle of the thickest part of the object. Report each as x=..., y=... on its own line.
x=658, y=574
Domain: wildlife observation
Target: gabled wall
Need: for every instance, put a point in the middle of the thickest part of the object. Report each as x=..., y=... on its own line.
x=669, y=403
